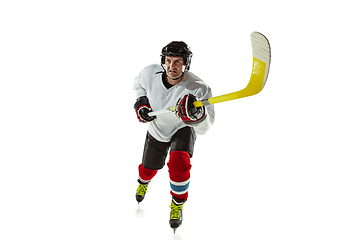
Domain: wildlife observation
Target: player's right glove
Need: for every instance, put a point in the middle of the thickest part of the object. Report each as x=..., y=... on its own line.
x=142, y=108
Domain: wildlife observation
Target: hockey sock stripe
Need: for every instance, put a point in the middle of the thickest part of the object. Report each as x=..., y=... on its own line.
x=179, y=193
x=179, y=183
x=144, y=181
x=179, y=188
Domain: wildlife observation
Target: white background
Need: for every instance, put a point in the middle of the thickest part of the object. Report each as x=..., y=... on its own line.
x=283, y=164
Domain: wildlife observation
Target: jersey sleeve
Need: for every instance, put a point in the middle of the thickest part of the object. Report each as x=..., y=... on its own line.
x=139, y=89
x=142, y=83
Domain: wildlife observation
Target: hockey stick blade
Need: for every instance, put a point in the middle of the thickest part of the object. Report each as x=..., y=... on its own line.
x=260, y=70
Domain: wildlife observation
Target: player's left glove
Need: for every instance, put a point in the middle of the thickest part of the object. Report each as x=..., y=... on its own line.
x=186, y=110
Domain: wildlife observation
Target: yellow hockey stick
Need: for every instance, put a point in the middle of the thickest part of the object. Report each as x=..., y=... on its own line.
x=261, y=64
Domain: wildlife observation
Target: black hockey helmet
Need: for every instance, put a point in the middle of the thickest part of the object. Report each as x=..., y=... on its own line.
x=177, y=49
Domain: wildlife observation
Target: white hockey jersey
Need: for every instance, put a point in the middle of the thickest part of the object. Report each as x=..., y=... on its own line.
x=149, y=83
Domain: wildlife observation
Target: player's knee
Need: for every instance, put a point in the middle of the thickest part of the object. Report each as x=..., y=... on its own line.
x=179, y=161
x=179, y=165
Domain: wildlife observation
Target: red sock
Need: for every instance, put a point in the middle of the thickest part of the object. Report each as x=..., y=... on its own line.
x=179, y=171
x=145, y=174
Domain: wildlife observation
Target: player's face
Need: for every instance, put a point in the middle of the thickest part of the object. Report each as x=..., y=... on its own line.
x=174, y=66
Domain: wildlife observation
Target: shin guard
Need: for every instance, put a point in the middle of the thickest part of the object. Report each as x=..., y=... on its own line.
x=145, y=174
x=179, y=171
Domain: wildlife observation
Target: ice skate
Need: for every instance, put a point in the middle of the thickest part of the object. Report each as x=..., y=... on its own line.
x=176, y=215
x=141, y=191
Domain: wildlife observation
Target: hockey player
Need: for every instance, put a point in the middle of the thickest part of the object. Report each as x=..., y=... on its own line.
x=160, y=87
